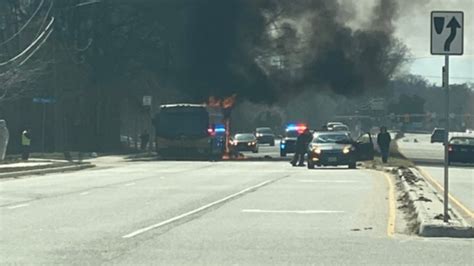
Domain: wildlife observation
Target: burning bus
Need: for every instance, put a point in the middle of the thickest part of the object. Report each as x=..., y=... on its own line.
x=190, y=131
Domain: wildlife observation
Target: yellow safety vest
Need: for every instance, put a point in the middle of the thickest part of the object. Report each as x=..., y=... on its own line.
x=25, y=141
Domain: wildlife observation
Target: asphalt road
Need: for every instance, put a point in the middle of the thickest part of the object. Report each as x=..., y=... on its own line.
x=430, y=159
x=196, y=213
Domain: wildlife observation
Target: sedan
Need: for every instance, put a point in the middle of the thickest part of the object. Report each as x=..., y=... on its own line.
x=461, y=149
x=265, y=135
x=338, y=148
x=244, y=142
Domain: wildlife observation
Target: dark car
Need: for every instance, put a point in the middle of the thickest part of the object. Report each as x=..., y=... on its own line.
x=265, y=135
x=244, y=142
x=437, y=135
x=338, y=148
x=461, y=149
x=288, y=143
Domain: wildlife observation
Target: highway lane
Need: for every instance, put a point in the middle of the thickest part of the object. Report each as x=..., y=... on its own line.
x=461, y=184
x=430, y=159
x=145, y=213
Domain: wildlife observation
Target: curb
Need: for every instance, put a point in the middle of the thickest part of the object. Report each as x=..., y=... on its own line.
x=427, y=203
x=47, y=170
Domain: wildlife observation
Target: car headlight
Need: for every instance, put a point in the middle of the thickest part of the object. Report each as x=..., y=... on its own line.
x=348, y=149
x=259, y=135
x=316, y=149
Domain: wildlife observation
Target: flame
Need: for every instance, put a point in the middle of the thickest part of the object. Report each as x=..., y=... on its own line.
x=225, y=103
x=229, y=101
x=214, y=102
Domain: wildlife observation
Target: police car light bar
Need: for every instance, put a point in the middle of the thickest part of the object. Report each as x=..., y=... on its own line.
x=293, y=127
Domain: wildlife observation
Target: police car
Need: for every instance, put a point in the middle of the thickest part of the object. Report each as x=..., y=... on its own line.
x=288, y=143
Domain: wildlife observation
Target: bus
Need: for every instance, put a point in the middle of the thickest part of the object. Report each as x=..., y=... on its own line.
x=190, y=131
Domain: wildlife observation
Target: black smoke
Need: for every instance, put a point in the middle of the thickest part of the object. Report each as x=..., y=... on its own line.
x=226, y=39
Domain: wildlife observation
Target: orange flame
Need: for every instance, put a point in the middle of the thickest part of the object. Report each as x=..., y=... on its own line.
x=214, y=102
x=225, y=103
x=229, y=101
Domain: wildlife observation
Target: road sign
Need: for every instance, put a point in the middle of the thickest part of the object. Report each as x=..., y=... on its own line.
x=44, y=100
x=447, y=32
x=146, y=100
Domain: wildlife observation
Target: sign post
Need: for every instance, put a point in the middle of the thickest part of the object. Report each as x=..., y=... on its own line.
x=447, y=30
x=44, y=102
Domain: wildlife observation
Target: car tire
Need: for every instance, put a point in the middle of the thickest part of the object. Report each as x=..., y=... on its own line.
x=352, y=166
x=310, y=165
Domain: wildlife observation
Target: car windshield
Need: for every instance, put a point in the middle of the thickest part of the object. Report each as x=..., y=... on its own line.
x=264, y=130
x=340, y=128
x=462, y=141
x=244, y=137
x=331, y=138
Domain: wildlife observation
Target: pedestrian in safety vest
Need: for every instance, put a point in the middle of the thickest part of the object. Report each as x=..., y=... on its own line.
x=25, y=144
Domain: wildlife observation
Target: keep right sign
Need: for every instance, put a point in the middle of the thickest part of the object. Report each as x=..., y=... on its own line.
x=447, y=30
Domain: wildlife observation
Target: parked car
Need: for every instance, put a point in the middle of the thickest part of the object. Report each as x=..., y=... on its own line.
x=330, y=125
x=244, y=142
x=461, y=149
x=339, y=127
x=438, y=135
x=338, y=148
x=265, y=135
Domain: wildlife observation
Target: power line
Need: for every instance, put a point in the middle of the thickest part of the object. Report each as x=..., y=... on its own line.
x=433, y=76
x=37, y=48
x=27, y=49
x=24, y=25
x=46, y=16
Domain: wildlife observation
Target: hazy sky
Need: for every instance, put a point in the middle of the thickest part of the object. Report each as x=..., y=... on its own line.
x=413, y=27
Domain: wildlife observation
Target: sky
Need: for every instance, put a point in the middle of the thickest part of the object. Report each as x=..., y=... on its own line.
x=413, y=28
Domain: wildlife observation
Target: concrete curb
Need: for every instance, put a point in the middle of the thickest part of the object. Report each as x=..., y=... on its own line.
x=428, y=204
x=47, y=170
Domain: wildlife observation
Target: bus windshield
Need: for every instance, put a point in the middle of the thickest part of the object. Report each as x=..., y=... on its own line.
x=184, y=121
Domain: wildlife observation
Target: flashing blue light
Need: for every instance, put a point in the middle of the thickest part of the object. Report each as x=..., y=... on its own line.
x=219, y=129
x=291, y=127
x=282, y=146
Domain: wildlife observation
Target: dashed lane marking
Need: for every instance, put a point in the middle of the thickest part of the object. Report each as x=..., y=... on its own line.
x=17, y=206
x=200, y=209
x=292, y=211
x=326, y=181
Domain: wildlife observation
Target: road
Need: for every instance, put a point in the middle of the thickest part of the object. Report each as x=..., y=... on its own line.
x=430, y=158
x=220, y=213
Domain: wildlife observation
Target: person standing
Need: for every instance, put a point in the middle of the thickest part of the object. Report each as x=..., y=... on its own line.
x=301, y=147
x=25, y=144
x=383, y=140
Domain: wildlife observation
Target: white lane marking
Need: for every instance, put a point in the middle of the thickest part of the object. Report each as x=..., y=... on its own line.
x=129, y=184
x=326, y=181
x=17, y=206
x=291, y=211
x=200, y=209
x=84, y=193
